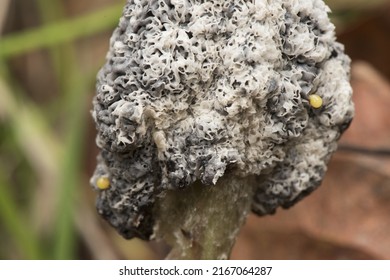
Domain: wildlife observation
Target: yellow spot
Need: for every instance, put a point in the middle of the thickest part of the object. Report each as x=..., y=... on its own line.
x=315, y=101
x=103, y=183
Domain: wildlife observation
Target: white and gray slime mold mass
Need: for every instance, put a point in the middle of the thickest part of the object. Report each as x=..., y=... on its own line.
x=193, y=89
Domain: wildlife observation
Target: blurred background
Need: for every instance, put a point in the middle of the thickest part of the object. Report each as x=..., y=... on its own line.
x=50, y=52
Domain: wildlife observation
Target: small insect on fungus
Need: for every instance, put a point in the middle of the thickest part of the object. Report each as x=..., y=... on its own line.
x=103, y=183
x=315, y=101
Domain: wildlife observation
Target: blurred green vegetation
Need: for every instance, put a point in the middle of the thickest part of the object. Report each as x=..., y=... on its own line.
x=42, y=144
x=40, y=162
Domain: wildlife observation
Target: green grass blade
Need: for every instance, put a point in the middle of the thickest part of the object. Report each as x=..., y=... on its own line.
x=71, y=164
x=60, y=32
x=15, y=224
x=62, y=56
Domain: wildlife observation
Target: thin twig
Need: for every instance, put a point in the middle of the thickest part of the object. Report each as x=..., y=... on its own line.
x=378, y=152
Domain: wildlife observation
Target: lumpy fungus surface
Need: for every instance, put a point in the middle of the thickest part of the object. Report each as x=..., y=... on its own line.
x=194, y=89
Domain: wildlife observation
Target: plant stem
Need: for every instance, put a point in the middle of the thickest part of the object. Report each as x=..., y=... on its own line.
x=202, y=222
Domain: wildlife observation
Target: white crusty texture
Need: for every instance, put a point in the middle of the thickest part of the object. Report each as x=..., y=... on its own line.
x=193, y=89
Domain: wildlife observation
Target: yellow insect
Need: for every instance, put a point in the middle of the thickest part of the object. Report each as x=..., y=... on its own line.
x=103, y=183
x=315, y=101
